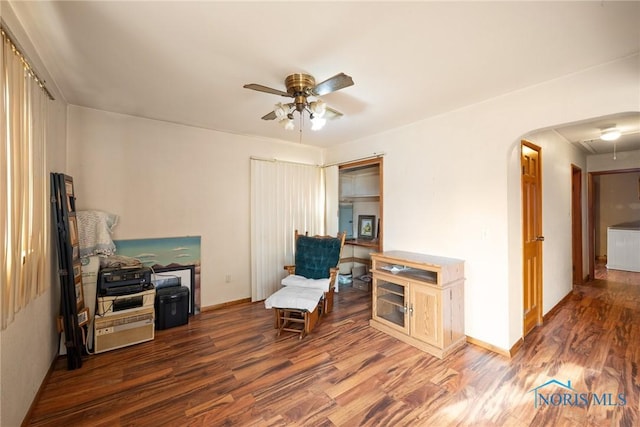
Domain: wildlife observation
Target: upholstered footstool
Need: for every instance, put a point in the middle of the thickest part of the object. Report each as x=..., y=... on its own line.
x=296, y=309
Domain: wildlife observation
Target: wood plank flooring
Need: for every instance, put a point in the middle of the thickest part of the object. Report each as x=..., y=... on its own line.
x=228, y=368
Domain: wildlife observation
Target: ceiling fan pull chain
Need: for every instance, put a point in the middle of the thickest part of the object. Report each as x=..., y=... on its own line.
x=301, y=122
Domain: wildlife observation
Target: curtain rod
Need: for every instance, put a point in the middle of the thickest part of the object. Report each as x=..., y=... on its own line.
x=6, y=34
x=263, y=159
x=373, y=156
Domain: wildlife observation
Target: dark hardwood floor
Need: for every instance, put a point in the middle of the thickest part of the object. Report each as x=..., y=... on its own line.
x=227, y=367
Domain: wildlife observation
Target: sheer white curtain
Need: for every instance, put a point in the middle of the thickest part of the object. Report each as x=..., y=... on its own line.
x=284, y=197
x=24, y=204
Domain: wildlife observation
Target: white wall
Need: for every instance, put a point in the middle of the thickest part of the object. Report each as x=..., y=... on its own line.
x=606, y=162
x=619, y=198
x=167, y=180
x=617, y=201
x=29, y=344
x=452, y=187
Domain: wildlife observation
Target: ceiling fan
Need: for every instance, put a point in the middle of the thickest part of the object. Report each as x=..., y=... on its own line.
x=300, y=87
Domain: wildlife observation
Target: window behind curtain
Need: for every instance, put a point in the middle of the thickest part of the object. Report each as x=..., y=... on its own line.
x=24, y=205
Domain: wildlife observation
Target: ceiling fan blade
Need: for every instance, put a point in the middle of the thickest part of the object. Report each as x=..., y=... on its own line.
x=261, y=88
x=337, y=82
x=330, y=113
x=270, y=116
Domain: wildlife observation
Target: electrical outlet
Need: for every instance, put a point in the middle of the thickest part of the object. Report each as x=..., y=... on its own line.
x=227, y=278
x=484, y=234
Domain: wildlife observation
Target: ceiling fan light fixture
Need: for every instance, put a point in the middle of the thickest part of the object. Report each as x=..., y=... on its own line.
x=317, y=123
x=288, y=124
x=280, y=111
x=318, y=108
x=610, y=134
x=299, y=88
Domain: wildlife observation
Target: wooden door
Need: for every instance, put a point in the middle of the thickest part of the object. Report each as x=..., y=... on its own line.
x=425, y=314
x=532, y=235
x=576, y=224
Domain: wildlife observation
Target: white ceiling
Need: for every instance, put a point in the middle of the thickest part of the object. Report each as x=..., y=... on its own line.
x=186, y=62
x=586, y=135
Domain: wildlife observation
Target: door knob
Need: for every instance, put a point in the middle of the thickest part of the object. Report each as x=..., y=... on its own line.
x=540, y=238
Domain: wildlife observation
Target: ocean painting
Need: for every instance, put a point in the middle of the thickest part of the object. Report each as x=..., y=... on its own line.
x=162, y=252
x=166, y=252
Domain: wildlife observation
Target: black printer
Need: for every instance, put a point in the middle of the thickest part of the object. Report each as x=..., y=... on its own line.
x=123, y=281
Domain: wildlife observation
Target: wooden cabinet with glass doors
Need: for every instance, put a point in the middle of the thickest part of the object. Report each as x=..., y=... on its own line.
x=419, y=299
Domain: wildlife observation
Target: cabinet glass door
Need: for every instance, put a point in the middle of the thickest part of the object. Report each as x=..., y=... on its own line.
x=391, y=304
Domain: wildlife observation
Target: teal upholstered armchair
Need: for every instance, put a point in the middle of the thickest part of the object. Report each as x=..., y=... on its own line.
x=316, y=265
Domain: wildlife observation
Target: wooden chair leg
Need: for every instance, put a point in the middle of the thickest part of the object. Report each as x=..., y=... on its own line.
x=298, y=321
x=328, y=301
x=311, y=319
x=277, y=318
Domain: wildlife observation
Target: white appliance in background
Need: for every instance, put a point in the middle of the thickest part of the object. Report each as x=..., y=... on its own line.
x=125, y=329
x=623, y=246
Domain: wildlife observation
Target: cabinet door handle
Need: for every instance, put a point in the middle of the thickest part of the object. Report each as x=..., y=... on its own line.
x=404, y=309
x=411, y=310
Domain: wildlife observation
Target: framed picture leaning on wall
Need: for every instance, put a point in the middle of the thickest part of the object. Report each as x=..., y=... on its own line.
x=366, y=226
